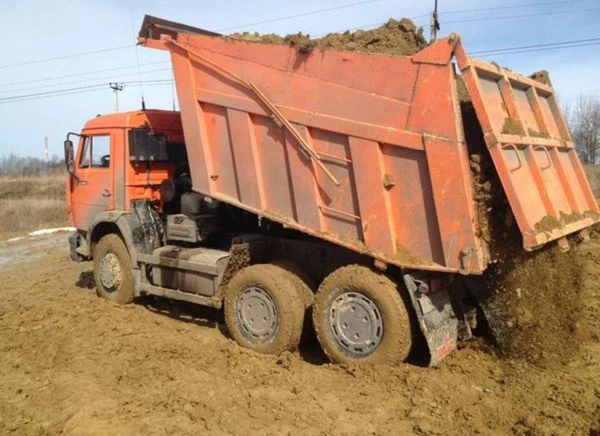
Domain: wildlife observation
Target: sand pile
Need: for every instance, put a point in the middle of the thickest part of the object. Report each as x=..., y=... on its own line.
x=394, y=37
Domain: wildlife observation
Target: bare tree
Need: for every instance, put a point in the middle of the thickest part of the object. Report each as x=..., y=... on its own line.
x=16, y=166
x=583, y=119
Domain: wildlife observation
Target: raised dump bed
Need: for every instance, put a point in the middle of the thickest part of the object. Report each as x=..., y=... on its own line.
x=368, y=150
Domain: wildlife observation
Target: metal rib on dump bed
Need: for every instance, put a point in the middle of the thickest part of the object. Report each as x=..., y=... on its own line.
x=532, y=151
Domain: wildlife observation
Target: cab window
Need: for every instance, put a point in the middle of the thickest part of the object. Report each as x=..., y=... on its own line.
x=96, y=152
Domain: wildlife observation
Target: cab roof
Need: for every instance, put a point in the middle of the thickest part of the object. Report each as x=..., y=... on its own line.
x=156, y=118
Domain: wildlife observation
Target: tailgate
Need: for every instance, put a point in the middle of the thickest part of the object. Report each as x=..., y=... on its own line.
x=532, y=151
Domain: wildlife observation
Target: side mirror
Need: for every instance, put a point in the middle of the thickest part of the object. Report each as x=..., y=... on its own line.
x=69, y=156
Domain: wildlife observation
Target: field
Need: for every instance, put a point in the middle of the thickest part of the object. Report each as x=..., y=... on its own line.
x=76, y=364
x=71, y=363
x=31, y=203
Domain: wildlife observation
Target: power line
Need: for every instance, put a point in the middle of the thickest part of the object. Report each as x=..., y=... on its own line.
x=485, y=53
x=539, y=49
x=506, y=17
x=85, y=91
x=530, y=5
x=28, y=88
x=289, y=17
x=88, y=73
x=219, y=30
x=79, y=88
x=509, y=50
x=52, y=92
x=54, y=95
x=442, y=13
x=551, y=44
x=303, y=14
x=460, y=11
x=137, y=56
x=39, y=61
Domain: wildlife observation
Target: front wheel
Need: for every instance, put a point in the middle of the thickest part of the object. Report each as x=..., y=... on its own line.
x=359, y=317
x=113, y=272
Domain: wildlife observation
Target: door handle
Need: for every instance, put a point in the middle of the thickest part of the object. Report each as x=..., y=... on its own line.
x=106, y=193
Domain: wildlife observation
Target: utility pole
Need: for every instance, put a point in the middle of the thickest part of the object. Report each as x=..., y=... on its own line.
x=435, y=24
x=46, y=156
x=116, y=87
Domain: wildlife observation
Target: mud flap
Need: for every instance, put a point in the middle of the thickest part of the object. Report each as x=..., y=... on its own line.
x=436, y=318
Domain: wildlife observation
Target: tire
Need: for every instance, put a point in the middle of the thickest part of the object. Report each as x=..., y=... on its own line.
x=281, y=308
x=113, y=272
x=305, y=285
x=353, y=295
x=306, y=289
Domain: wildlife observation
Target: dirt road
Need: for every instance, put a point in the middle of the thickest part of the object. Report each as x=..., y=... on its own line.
x=71, y=363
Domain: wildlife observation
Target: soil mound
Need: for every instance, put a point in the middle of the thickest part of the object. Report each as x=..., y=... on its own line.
x=532, y=301
x=395, y=37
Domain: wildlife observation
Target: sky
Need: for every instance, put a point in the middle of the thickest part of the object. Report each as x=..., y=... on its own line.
x=34, y=31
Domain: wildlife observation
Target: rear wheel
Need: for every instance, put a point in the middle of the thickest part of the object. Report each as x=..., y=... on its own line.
x=359, y=317
x=306, y=289
x=304, y=284
x=264, y=310
x=113, y=272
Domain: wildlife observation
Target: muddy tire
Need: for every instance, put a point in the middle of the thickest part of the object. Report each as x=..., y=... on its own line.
x=305, y=285
x=264, y=310
x=359, y=317
x=113, y=272
x=306, y=289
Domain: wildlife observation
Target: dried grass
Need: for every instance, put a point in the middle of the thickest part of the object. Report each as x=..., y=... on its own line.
x=31, y=203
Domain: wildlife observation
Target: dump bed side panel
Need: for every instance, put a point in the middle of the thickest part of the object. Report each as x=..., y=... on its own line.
x=384, y=127
x=532, y=152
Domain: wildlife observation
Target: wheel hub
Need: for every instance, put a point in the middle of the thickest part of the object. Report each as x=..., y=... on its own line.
x=110, y=272
x=356, y=323
x=257, y=313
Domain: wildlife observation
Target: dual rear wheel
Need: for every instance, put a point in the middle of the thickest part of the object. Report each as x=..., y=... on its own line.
x=264, y=309
x=358, y=314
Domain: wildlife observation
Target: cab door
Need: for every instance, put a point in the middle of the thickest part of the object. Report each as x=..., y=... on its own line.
x=93, y=186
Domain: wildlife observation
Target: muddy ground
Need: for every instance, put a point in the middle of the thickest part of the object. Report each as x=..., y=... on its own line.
x=71, y=363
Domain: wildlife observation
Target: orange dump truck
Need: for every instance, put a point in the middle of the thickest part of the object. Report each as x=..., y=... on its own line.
x=334, y=183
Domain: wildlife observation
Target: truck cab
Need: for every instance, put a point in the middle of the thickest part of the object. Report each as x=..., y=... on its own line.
x=121, y=158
